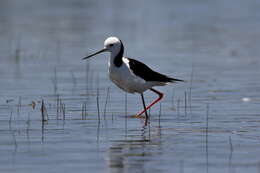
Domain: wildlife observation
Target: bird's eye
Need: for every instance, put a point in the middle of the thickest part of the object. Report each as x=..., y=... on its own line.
x=111, y=45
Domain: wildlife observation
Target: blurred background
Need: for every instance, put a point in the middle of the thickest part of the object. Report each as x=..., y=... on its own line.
x=208, y=124
x=219, y=34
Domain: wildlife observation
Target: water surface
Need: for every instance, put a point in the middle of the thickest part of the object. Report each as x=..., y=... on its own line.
x=211, y=44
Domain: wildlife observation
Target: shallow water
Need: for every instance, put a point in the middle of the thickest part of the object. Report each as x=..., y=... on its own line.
x=211, y=44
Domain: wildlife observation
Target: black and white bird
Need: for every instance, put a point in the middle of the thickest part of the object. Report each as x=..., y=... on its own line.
x=131, y=75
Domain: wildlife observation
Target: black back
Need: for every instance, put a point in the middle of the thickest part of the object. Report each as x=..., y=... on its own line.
x=146, y=73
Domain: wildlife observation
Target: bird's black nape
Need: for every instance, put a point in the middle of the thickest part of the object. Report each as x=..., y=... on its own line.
x=118, y=59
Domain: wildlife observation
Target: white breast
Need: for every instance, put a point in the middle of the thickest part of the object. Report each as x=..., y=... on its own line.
x=124, y=78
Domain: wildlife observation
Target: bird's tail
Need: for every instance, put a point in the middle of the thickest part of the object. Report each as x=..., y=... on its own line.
x=174, y=80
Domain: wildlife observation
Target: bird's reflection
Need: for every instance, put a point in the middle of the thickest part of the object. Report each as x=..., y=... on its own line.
x=132, y=154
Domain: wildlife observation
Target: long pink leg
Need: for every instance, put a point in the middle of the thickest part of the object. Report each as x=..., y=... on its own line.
x=146, y=115
x=160, y=96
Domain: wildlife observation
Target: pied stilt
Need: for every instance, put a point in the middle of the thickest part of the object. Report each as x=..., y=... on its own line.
x=131, y=75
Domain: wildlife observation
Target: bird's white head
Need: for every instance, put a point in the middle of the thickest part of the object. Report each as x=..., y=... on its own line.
x=112, y=45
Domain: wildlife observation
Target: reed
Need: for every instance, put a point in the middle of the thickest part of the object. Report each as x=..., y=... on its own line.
x=230, y=144
x=107, y=98
x=125, y=114
x=84, y=111
x=98, y=104
x=125, y=104
x=43, y=130
x=74, y=79
x=178, y=107
x=112, y=117
x=63, y=107
x=160, y=113
x=57, y=107
x=87, y=69
x=230, y=155
x=44, y=113
x=207, y=128
x=19, y=105
x=28, y=123
x=185, y=103
x=190, y=88
x=15, y=142
x=10, y=119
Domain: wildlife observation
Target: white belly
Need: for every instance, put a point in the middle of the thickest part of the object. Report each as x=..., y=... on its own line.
x=126, y=80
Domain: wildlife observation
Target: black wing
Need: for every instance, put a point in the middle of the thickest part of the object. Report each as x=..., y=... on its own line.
x=146, y=73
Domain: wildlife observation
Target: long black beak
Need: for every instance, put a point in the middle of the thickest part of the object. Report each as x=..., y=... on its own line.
x=98, y=52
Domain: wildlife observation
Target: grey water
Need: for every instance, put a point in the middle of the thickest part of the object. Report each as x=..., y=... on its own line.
x=210, y=123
